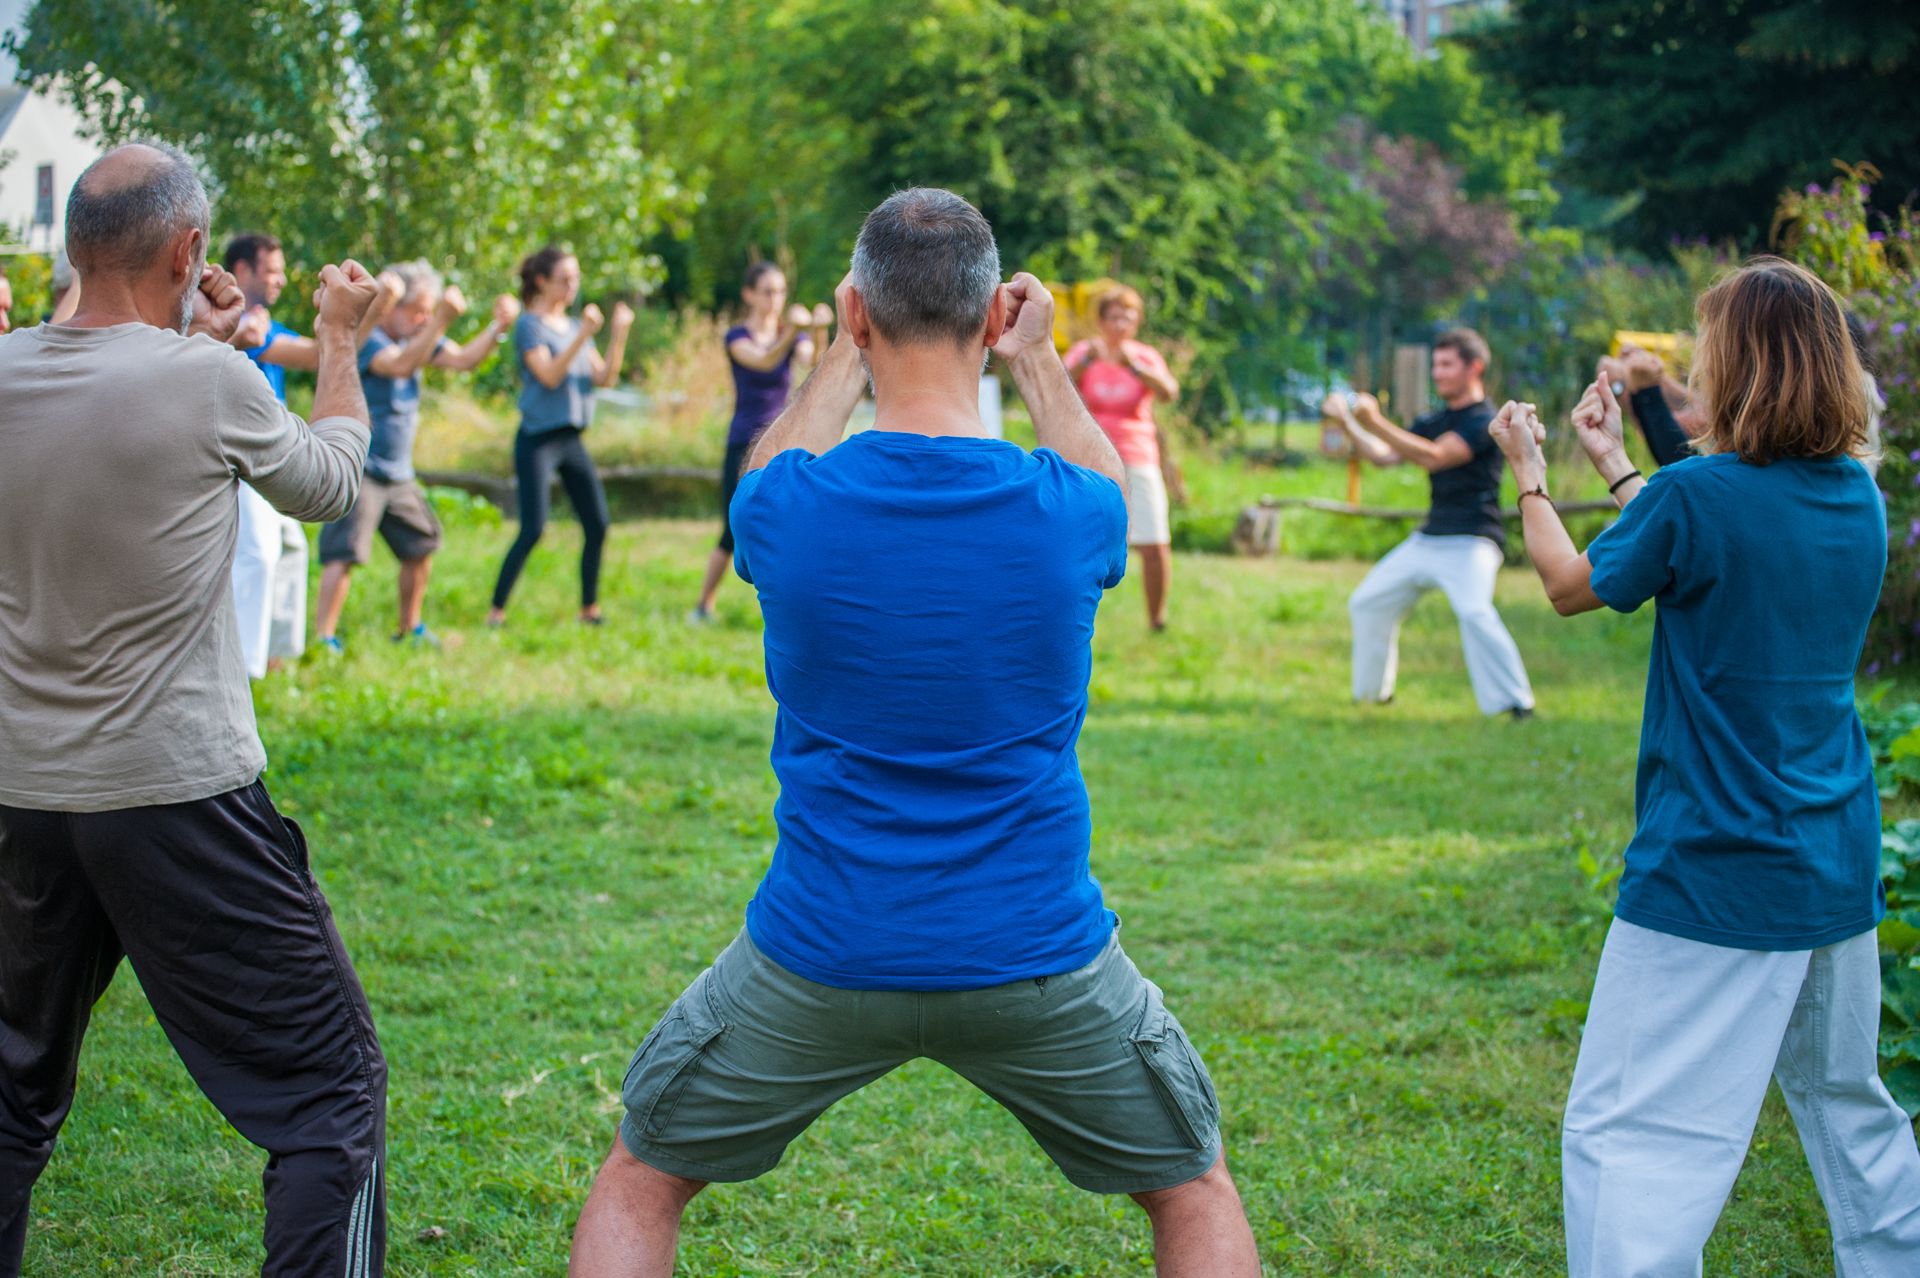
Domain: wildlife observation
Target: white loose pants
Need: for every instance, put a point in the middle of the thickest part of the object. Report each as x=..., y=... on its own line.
x=269, y=583
x=1681, y=1038
x=1462, y=568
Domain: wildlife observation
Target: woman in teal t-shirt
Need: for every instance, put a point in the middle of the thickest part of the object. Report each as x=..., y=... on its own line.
x=559, y=370
x=1743, y=944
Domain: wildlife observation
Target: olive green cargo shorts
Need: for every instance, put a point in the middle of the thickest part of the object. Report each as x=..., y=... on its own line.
x=1091, y=1062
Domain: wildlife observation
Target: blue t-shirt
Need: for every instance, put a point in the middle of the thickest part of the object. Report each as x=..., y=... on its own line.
x=929, y=613
x=568, y=404
x=276, y=375
x=394, y=405
x=1758, y=819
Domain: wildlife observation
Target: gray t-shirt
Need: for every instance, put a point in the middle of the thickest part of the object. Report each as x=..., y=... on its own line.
x=393, y=403
x=121, y=677
x=568, y=404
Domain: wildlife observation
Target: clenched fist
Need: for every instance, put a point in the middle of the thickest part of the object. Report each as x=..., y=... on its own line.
x=506, y=309
x=218, y=305
x=453, y=303
x=345, y=293
x=1029, y=318
x=622, y=317
x=591, y=319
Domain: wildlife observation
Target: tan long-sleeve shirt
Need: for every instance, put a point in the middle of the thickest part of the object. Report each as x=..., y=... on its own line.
x=121, y=677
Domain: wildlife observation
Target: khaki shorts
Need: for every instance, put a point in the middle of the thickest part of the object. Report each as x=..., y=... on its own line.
x=1147, y=519
x=1091, y=1062
x=401, y=514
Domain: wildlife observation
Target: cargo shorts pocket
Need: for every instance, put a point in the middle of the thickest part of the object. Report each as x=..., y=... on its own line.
x=1179, y=1076
x=670, y=1057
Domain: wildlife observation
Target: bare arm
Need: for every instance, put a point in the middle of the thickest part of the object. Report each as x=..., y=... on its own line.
x=817, y=418
x=464, y=357
x=1364, y=444
x=1156, y=379
x=550, y=369
x=748, y=353
x=409, y=358
x=290, y=350
x=1566, y=573
x=607, y=371
x=1430, y=455
x=1060, y=418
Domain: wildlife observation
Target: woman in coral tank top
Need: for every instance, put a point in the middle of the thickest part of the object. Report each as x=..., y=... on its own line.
x=1120, y=378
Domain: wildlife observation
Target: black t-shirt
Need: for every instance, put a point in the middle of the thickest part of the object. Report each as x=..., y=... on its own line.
x=1466, y=499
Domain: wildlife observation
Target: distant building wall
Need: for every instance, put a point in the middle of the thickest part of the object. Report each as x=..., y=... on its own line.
x=44, y=152
x=1425, y=22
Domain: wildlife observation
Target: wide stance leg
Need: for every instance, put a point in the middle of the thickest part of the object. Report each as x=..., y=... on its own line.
x=1200, y=1228
x=57, y=954
x=1467, y=576
x=1376, y=610
x=1858, y=1140
x=533, y=463
x=1680, y=1041
x=630, y=1227
x=589, y=500
x=237, y=952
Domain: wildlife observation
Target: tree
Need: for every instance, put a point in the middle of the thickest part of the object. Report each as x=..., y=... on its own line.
x=1188, y=146
x=392, y=128
x=1711, y=110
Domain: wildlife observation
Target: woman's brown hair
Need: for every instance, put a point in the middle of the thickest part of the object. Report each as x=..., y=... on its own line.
x=1120, y=295
x=1774, y=369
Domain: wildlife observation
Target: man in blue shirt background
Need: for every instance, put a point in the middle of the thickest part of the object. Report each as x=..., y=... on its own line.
x=929, y=595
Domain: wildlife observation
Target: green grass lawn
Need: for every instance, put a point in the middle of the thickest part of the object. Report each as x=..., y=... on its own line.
x=1372, y=922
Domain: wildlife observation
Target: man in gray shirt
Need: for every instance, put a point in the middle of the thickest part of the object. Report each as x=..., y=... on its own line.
x=132, y=819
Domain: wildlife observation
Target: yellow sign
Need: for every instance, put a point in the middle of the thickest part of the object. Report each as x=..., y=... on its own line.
x=1675, y=348
x=1076, y=310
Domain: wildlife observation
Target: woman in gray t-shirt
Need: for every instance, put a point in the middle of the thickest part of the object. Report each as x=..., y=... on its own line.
x=559, y=369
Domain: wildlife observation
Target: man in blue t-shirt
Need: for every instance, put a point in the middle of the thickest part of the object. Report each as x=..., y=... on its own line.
x=929, y=595
x=1460, y=548
x=410, y=334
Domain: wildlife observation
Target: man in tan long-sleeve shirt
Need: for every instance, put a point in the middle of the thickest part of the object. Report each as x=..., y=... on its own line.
x=132, y=819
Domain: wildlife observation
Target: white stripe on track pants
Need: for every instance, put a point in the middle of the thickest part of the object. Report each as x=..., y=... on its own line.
x=1462, y=568
x=1681, y=1038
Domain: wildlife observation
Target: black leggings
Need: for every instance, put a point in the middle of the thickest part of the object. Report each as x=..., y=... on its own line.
x=535, y=459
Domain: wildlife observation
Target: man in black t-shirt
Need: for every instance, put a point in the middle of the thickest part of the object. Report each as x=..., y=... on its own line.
x=1458, y=551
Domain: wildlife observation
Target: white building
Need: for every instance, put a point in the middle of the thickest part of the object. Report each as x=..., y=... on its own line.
x=42, y=152
x=1425, y=22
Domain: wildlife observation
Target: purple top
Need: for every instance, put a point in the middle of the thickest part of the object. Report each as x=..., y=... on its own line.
x=758, y=397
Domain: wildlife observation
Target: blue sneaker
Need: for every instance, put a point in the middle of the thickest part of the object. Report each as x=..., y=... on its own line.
x=332, y=646
x=419, y=637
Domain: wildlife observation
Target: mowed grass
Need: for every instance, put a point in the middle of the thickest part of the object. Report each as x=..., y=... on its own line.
x=1372, y=922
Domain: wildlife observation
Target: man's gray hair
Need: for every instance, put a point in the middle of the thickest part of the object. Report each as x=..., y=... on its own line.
x=927, y=267
x=417, y=276
x=125, y=207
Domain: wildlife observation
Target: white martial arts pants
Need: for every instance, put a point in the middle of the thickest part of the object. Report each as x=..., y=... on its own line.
x=269, y=583
x=1462, y=568
x=1681, y=1038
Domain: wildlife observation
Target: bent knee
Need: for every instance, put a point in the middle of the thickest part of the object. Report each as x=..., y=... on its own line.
x=1215, y=1182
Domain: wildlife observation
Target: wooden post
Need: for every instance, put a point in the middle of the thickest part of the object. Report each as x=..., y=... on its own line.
x=1353, y=480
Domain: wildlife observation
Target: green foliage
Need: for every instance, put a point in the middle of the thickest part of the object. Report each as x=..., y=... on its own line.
x=1477, y=123
x=1900, y=964
x=1706, y=111
x=389, y=129
x=1201, y=149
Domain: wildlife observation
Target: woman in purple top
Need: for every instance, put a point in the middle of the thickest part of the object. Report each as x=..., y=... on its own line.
x=762, y=350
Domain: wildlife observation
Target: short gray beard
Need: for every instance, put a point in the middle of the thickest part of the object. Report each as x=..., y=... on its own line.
x=186, y=305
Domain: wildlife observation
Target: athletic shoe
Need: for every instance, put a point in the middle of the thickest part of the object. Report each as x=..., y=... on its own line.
x=419, y=637
x=700, y=616
x=593, y=620
x=332, y=646
x=1521, y=713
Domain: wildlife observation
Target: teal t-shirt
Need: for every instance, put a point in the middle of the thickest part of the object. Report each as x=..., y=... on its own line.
x=1758, y=819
